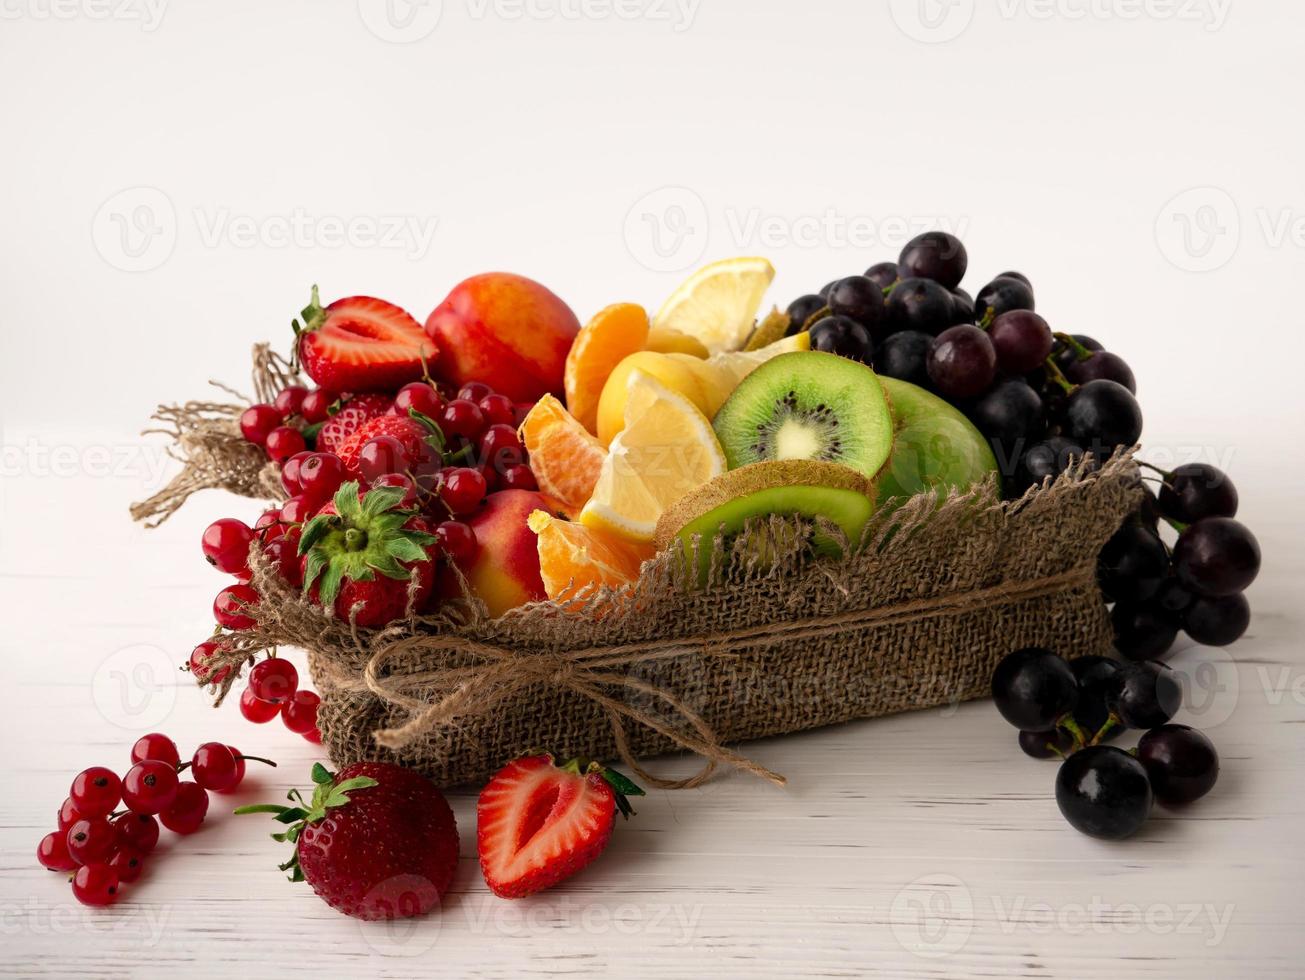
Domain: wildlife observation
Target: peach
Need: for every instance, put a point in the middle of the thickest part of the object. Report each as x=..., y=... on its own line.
x=505, y=572
x=505, y=330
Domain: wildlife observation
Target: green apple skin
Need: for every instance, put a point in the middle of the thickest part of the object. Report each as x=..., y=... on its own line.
x=935, y=446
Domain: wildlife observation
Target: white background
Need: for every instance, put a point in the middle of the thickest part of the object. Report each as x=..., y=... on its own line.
x=1141, y=161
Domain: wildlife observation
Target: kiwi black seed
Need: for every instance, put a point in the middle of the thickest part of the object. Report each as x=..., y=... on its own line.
x=808, y=405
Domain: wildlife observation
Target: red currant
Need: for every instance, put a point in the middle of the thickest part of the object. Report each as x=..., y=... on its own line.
x=462, y=417
x=290, y=472
x=188, y=810
x=298, y=510
x=269, y=526
x=200, y=669
x=240, y=766
x=500, y=448
x=214, y=767
x=283, y=442
x=95, y=884
x=232, y=606
x=474, y=391
x=518, y=478
x=409, y=500
x=458, y=541
x=283, y=554
x=419, y=396
x=68, y=815
x=320, y=475
x=316, y=406
x=257, y=421
x=259, y=712
x=226, y=545
x=139, y=831
x=491, y=478
x=381, y=455
x=290, y=400
x=91, y=839
x=274, y=680
x=150, y=786
x=462, y=489
x=315, y=736
x=498, y=410
x=52, y=852
x=155, y=745
x=300, y=712
x=128, y=863
x=95, y=791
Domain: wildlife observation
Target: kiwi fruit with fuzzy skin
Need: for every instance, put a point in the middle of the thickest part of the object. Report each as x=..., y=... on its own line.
x=798, y=487
x=808, y=405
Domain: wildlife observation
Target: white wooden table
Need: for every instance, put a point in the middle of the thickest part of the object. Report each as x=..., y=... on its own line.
x=923, y=845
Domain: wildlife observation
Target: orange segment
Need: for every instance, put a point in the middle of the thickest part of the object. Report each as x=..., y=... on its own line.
x=613, y=334
x=573, y=557
x=565, y=458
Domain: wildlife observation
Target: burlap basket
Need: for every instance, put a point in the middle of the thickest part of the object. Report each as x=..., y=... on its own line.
x=915, y=616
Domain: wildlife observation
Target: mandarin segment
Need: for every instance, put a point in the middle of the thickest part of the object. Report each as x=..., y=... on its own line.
x=565, y=458
x=612, y=335
x=573, y=557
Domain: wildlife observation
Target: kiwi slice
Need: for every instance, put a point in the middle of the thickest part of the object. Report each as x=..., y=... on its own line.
x=791, y=487
x=808, y=405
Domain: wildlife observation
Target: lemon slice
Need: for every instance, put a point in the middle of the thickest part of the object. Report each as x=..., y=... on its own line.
x=718, y=304
x=666, y=449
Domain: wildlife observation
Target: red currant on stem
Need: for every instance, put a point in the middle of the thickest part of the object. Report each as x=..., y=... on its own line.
x=136, y=830
x=419, y=396
x=283, y=442
x=298, y=509
x=52, y=852
x=255, y=710
x=320, y=475
x=95, y=884
x=474, y=391
x=290, y=472
x=458, y=541
x=290, y=400
x=462, y=489
x=501, y=448
x=274, y=680
x=128, y=863
x=91, y=839
x=225, y=544
x=300, y=712
x=315, y=736
x=518, y=478
x=498, y=410
x=150, y=786
x=409, y=500
x=316, y=406
x=68, y=815
x=268, y=525
x=381, y=455
x=96, y=791
x=462, y=417
x=283, y=553
x=200, y=669
x=220, y=768
x=257, y=421
x=156, y=745
x=232, y=606
x=187, y=810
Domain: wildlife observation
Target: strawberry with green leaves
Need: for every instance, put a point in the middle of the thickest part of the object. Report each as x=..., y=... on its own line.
x=361, y=343
x=376, y=841
x=538, y=822
x=362, y=551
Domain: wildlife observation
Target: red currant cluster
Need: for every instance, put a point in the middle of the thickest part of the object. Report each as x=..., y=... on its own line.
x=105, y=847
x=272, y=689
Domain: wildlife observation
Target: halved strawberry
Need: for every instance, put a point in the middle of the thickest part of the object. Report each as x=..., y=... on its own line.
x=538, y=822
x=349, y=419
x=360, y=343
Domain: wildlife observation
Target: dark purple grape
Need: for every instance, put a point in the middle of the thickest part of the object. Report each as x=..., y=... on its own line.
x=1217, y=556
x=1096, y=677
x=961, y=361
x=1104, y=792
x=962, y=306
x=1146, y=694
x=1003, y=295
x=824, y=290
x=1102, y=416
x=1102, y=366
x=859, y=299
x=1148, y=511
x=1015, y=275
x=1010, y=412
x=1022, y=340
x=1047, y=460
x=1180, y=762
x=842, y=336
x=1132, y=564
x=1196, y=490
x=920, y=304
x=904, y=355
x=1033, y=688
x=1143, y=631
x=1173, y=600
x=1217, y=622
x=1064, y=354
x=882, y=274
x=1046, y=745
x=934, y=255
x=801, y=309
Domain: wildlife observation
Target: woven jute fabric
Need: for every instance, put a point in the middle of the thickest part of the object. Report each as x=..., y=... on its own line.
x=775, y=640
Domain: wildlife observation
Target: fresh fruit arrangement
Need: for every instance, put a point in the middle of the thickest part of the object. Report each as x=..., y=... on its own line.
x=109, y=824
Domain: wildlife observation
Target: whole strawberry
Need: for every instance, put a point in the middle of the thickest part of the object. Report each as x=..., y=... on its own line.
x=376, y=841
x=361, y=343
x=421, y=439
x=361, y=552
x=538, y=822
x=349, y=419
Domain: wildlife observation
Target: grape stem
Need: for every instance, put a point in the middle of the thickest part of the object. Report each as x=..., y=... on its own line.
x=1070, y=725
x=1155, y=469
x=1081, y=352
x=988, y=316
x=1106, y=728
x=1058, y=376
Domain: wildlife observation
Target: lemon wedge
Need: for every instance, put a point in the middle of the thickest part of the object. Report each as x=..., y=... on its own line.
x=718, y=304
